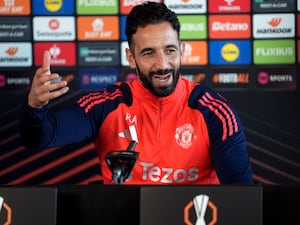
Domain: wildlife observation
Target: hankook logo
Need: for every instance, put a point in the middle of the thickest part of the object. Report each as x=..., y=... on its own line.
x=274, y=25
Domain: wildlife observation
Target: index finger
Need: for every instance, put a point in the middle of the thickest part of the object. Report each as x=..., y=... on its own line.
x=46, y=60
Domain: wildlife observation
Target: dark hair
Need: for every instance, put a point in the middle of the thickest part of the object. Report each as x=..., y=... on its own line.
x=149, y=13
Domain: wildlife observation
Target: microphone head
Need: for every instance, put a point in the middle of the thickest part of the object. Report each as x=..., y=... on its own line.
x=121, y=163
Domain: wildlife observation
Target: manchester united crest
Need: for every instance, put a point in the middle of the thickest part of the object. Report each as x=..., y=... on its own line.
x=185, y=135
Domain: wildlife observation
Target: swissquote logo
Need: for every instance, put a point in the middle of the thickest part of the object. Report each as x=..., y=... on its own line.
x=202, y=205
x=5, y=212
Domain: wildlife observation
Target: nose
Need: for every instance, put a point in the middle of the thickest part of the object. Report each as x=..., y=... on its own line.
x=161, y=61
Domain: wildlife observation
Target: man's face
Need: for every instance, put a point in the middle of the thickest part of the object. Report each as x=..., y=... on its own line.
x=156, y=57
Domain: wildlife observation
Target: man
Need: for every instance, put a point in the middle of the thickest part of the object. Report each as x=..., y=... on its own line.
x=185, y=133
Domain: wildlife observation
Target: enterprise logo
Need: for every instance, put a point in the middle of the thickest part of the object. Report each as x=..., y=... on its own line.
x=273, y=5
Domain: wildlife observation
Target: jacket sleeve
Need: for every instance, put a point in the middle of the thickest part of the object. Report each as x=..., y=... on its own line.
x=41, y=129
x=228, y=146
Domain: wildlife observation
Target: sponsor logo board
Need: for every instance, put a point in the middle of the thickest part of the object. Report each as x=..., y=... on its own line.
x=195, y=53
x=187, y=6
x=274, y=51
x=228, y=6
x=48, y=7
x=127, y=5
x=15, y=29
x=15, y=54
x=280, y=79
x=15, y=7
x=229, y=26
x=58, y=28
x=15, y=81
x=195, y=74
x=97, y=79
x=104, y=7
x=98, y=54
x=230, y=52
x=273, y=5
x=98, y=28
x=193, y=26
x=274, y=25
x=62, y=53
x=231, y=79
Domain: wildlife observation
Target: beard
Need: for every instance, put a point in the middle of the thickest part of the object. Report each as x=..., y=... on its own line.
x=162, y=91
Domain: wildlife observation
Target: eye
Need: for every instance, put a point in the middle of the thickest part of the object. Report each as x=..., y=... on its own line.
x=171, y=51
x=147, y=53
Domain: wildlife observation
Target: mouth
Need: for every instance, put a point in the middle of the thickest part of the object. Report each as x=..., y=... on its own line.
x=162, y=79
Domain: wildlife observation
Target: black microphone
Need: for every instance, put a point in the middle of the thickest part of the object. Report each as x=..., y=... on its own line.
x=121, y=162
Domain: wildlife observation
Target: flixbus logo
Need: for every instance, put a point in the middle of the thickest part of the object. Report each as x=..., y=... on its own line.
x=5, y=212
x=274, y=51
x=202, y=205
x=87, y=7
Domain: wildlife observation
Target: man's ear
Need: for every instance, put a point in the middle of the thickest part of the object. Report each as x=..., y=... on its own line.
x=182, y=49
x=130, y=58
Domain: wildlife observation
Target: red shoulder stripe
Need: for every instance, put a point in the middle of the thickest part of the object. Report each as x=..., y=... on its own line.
x=223, y=112
x=88, y=101
x=234, y=121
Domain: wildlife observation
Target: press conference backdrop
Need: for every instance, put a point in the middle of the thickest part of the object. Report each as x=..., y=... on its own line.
x=246, y=50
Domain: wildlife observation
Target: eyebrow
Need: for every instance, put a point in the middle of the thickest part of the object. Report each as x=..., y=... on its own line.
x=150, y=49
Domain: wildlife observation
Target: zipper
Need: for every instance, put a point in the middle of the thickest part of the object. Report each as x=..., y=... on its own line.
x=159, y=113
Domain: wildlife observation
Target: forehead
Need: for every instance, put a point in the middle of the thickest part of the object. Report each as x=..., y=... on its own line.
x=155, y=35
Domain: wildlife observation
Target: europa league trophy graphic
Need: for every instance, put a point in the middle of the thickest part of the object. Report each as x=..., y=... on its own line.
x=121, y=162
x=200, y=205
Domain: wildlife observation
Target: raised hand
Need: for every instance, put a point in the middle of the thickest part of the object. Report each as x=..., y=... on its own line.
x=44, y=86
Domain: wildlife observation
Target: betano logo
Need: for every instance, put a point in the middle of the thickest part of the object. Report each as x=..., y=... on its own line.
x=8, y=212
x=11, y=51
x=230, y=52
x=53, y=5
x=233, y=26
x=200, y=204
